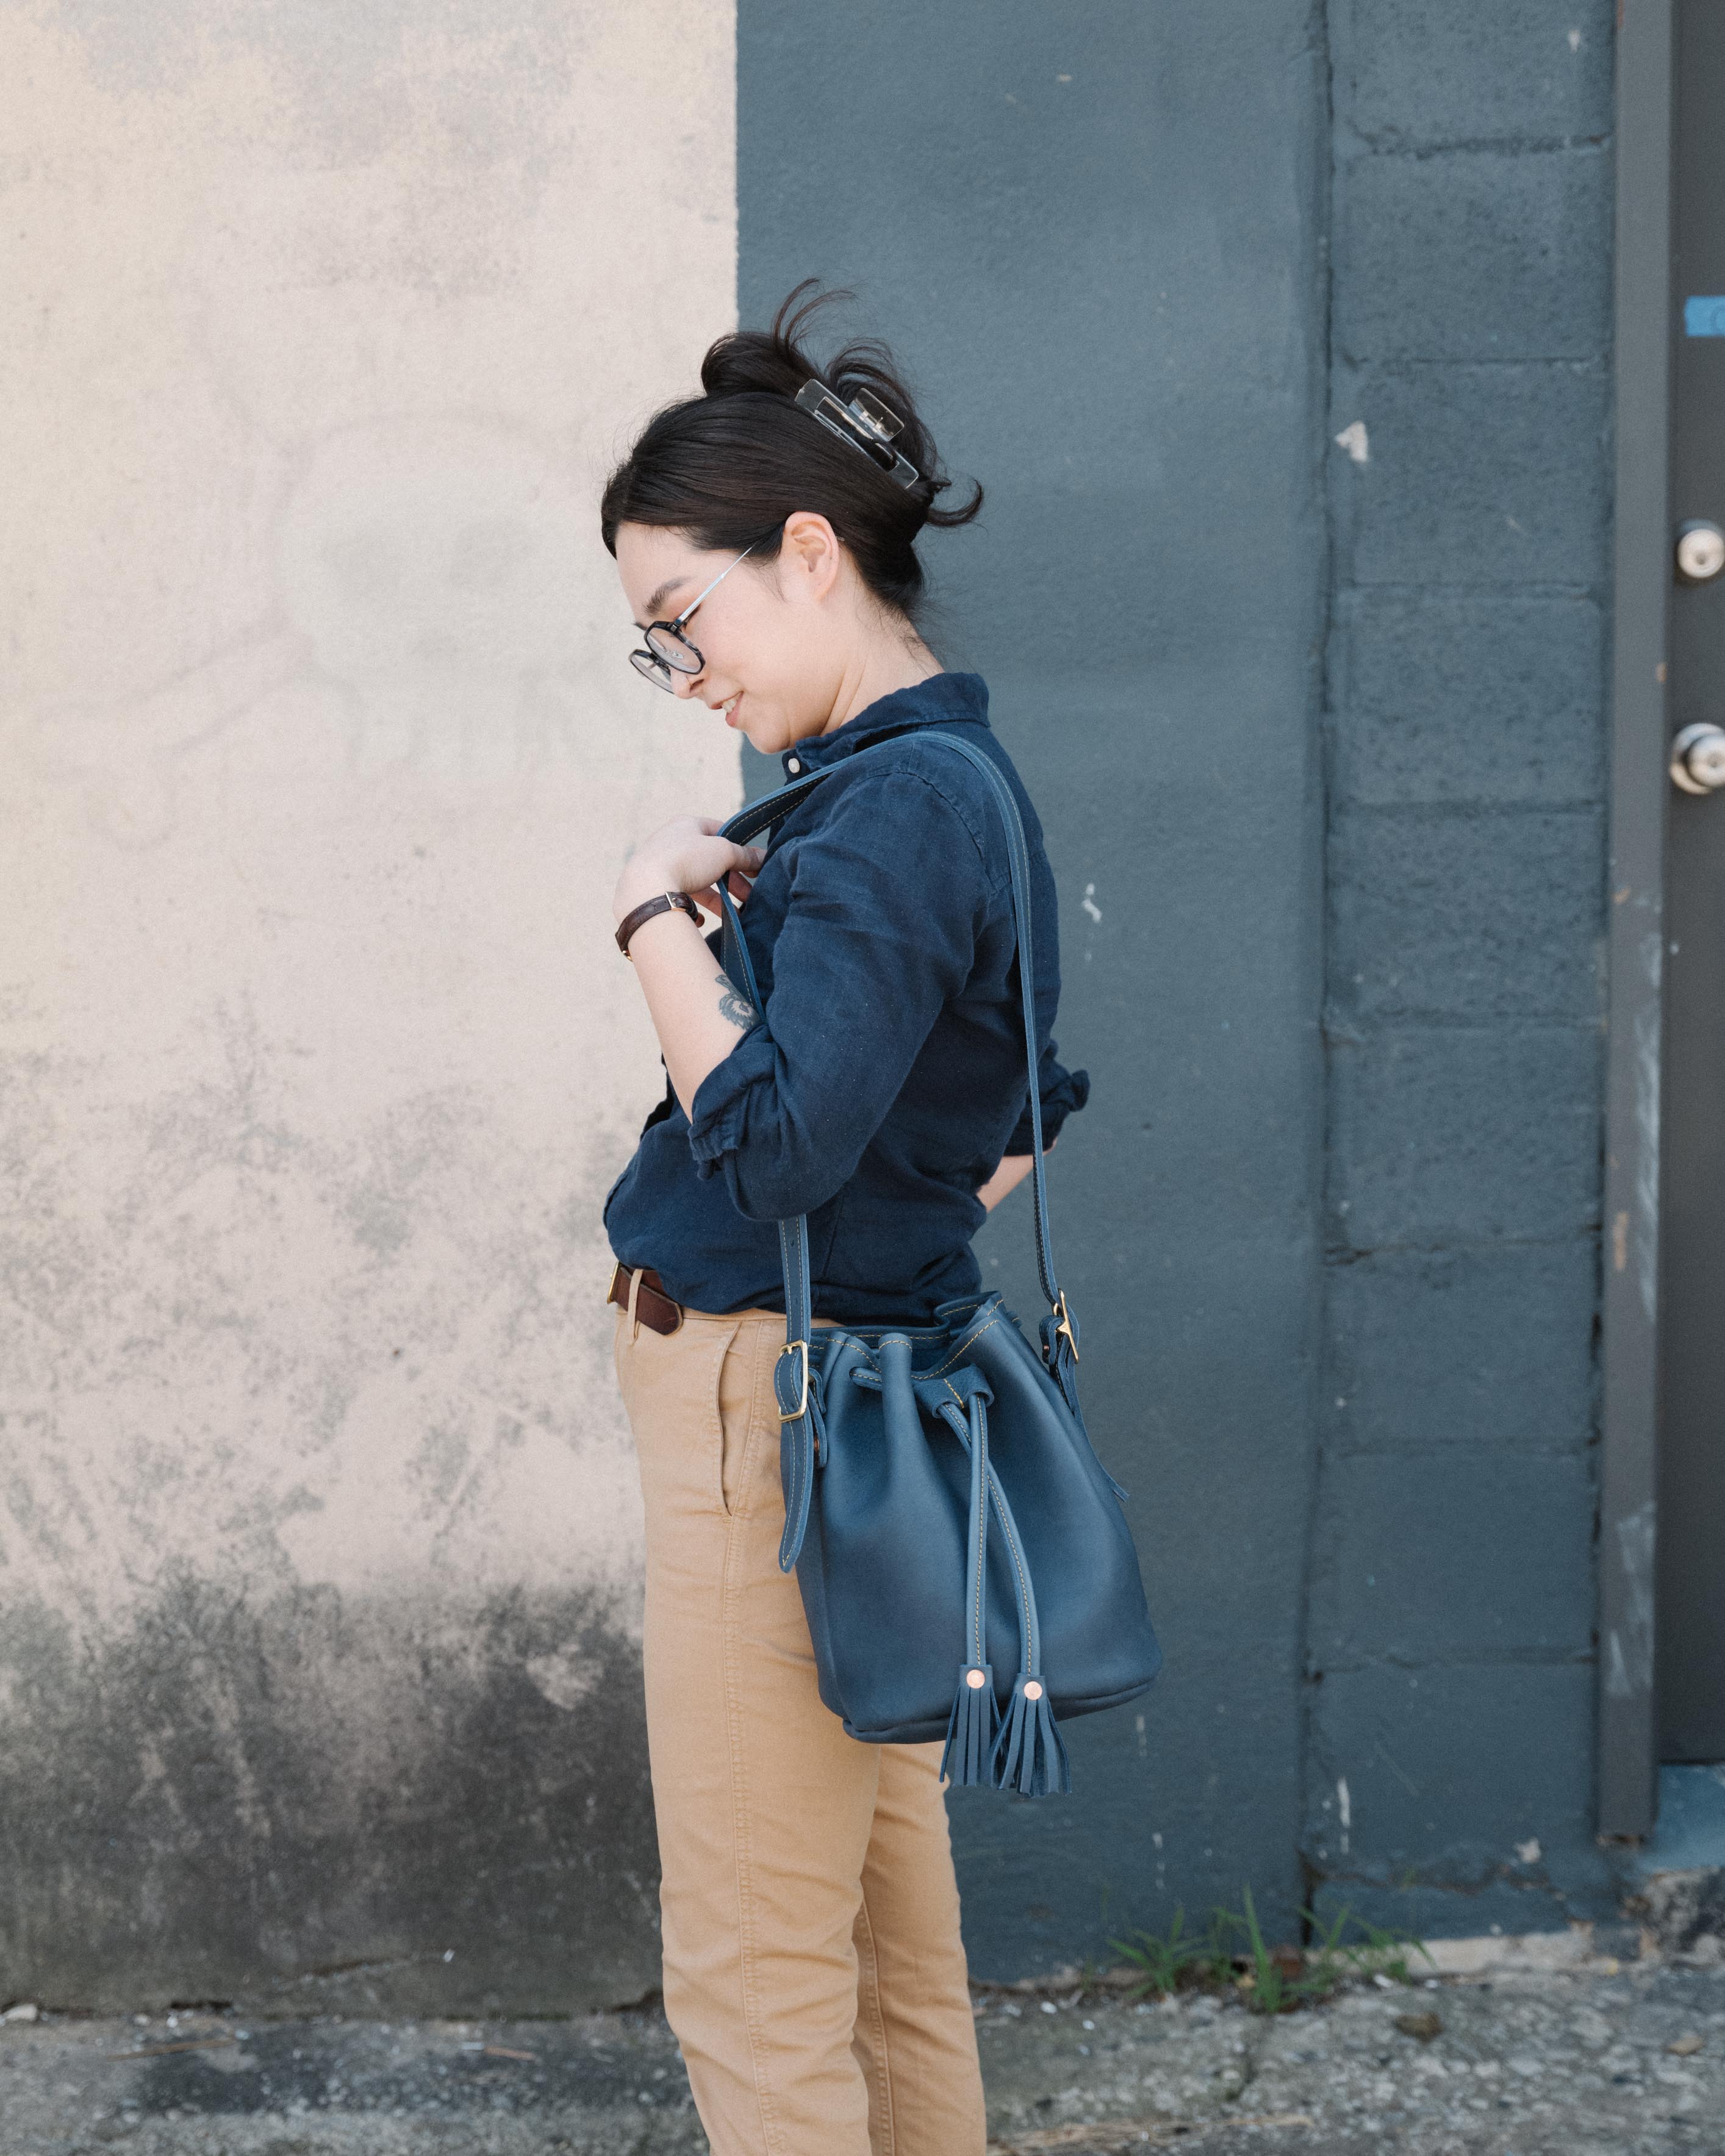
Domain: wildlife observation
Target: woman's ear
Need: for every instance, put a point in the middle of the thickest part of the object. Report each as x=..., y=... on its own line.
x=810, y=554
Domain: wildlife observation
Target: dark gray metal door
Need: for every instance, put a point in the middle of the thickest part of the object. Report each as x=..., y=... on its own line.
x=1691, y=1672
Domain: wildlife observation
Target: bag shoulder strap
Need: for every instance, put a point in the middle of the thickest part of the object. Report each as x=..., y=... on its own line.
x=1059, y=1331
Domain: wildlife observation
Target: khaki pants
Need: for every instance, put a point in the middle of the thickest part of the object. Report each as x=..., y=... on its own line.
x=814, y=1972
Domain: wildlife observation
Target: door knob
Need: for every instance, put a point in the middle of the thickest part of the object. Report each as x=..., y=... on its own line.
x=1701, y=551
x=1698, y=758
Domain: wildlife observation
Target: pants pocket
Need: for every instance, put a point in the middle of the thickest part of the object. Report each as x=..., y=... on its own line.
x=620, y=1361
x=670, y=1386
x=738, y=1413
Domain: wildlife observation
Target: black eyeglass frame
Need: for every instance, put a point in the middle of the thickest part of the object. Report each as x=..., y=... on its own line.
x=656, y=666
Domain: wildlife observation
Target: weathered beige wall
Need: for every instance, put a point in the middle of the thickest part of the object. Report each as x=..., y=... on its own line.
x=319, y=1546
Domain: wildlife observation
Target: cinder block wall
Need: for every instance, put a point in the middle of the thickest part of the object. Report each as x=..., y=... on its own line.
x=1449, y=1756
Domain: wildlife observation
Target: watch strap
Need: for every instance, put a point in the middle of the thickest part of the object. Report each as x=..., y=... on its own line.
x=669, y=901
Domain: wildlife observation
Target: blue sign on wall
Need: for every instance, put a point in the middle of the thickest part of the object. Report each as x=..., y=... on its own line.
x=1704, y=317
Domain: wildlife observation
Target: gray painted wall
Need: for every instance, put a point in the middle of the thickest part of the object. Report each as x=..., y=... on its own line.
x=1109, y=288
x=1452, y=1608
x=1135, y=255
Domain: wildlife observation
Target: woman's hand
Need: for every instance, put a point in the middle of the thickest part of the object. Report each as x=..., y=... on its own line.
x=686, y=855
x=697, y=1014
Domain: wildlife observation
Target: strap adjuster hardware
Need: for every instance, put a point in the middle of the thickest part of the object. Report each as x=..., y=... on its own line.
x=790, y=1348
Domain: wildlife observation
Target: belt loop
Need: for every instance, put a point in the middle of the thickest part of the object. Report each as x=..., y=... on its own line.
x=634, y=1290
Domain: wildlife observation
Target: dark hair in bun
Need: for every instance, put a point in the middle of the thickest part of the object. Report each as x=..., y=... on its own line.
x=728, y=467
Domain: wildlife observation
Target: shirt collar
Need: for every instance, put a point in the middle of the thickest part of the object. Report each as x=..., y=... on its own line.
x=944, y=700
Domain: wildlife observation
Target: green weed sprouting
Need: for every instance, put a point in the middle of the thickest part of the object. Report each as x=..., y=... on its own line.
x=1166, y=1961
x=1232, y=1950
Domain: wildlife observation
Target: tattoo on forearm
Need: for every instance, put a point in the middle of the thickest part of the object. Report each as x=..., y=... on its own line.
x=740, y=1011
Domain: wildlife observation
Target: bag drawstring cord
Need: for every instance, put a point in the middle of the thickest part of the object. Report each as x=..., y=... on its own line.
x=974, y=1721
x=1028, y=1753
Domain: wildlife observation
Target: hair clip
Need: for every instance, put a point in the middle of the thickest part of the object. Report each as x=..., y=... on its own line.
x=865, y=422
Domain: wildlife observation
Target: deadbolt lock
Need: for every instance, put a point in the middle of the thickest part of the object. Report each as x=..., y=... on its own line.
x=1698, y=758
x=1700, y=552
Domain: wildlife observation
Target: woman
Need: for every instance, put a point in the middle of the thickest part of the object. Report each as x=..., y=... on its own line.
x=765, y=535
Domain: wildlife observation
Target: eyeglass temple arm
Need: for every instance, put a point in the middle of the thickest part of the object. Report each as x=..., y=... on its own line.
x=713, y=587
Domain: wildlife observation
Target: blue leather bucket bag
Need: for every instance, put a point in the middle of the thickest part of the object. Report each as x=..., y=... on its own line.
x=943, y=1506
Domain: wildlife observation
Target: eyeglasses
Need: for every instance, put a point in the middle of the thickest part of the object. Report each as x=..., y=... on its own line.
x=667, y=650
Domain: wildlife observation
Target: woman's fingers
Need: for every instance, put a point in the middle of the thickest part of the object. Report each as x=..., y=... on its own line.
x=707, y=860
x=688, y=855
x=739, y=887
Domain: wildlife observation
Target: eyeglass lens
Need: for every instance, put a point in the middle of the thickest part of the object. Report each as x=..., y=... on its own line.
x=654, y=670
x=666, y=651
x=666, y=644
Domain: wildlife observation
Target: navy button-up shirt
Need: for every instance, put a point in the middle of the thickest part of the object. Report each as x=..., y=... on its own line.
x=890, y=1079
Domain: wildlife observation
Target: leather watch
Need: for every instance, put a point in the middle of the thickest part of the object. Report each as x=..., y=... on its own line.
x=670, y=902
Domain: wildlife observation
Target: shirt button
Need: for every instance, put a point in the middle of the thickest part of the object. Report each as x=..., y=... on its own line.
x=794, y=765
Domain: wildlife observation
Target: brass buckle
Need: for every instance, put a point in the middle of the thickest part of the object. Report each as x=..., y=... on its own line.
x=1064, y=1326
x=790, y=1348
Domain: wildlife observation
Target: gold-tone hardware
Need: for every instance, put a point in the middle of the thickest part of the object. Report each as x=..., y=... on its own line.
x=1033, y=1690
x=1064, y=1326
x=790, y=1348
x=975, y=1680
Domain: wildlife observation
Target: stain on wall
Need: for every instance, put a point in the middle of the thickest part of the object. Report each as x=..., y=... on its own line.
x=319, y=1539
x=407, y=1802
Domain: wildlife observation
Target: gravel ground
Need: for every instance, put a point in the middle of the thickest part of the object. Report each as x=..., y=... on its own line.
x=1592, y=2060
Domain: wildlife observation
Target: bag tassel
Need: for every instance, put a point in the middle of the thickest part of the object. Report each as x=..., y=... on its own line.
x=1030, y=1754
x=967, y=1762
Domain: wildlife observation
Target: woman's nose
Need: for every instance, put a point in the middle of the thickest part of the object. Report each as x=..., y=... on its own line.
x=683, y=685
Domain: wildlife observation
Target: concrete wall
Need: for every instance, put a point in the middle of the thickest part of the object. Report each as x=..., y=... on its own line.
x=319, y=1567
x=319, y=1537
x=1451, y=1749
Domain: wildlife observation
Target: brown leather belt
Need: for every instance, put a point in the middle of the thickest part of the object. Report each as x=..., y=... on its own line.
x=652, y=1305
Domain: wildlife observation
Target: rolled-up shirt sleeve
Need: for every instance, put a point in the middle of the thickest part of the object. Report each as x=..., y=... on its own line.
x=1059, y=1093
x=889, y=895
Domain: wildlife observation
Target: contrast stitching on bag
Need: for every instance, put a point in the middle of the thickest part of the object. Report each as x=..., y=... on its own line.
x=981, y=1568
x=1017, y=1558
x=970, y=1343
